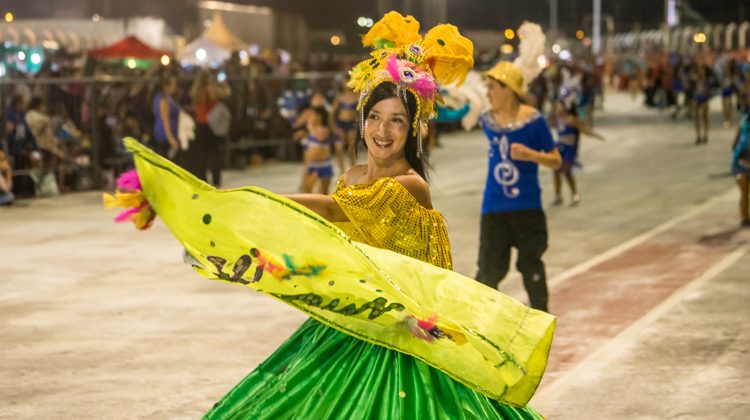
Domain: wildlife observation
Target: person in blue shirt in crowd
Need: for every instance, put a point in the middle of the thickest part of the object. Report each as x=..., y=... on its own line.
x=512, y=215
x=20, y=141
x=741, y=167
x=569, y=129
x=166, y=117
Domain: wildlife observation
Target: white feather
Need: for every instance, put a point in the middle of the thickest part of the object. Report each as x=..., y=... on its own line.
x=529, y=49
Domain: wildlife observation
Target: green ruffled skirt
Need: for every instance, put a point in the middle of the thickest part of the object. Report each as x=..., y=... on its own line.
x=320, y=373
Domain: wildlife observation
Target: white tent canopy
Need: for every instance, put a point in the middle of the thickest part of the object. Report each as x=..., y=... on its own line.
x=214, y=46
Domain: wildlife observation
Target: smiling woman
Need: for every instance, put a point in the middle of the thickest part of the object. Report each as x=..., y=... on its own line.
x=387, y=124
x=393, y=333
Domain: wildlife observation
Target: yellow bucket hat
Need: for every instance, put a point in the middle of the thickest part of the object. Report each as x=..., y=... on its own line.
x=508, y=74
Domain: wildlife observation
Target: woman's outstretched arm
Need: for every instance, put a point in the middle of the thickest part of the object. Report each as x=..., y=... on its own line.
x=324, y=205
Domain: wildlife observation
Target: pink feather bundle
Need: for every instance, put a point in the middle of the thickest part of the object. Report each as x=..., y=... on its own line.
x=421, y=82
x=421, y=328
x=392, y=67
x=130, y=196
x=128, y=181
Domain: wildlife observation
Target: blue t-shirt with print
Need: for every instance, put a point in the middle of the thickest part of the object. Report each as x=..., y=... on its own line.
x=513, y=185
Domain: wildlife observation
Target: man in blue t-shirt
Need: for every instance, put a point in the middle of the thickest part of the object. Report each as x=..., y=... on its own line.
x=512, y=215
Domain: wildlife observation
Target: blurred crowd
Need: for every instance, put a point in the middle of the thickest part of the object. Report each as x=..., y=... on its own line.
x=63, y=130
x=62, y=126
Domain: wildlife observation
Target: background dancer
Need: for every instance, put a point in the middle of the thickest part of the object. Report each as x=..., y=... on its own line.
x=345, y=127
x=741, y=168
x=569, y=130
x=317, y=152
x=512, y=215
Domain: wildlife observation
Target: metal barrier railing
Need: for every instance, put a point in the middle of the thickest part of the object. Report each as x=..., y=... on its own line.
x=96, y=106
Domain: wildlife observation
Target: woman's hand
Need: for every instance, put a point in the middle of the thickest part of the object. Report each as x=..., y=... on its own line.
x=324, y=205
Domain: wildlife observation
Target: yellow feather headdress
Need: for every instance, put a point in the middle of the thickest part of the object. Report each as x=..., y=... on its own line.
x=415, y=64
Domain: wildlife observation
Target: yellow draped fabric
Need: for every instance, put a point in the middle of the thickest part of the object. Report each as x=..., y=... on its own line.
x=481, y=338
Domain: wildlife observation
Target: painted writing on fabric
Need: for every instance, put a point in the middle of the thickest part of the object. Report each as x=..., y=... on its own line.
x=376, y=307
x=280, y=270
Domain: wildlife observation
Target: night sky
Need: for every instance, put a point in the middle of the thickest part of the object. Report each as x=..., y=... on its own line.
x=342, y=14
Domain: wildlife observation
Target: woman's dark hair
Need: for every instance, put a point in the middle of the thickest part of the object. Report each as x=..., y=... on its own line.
x=322, y=113
x=166, y=79
x=388, y=90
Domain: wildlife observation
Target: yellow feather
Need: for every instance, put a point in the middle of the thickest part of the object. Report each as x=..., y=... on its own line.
x=450, y=54
x=393, y=27
x=109, y=201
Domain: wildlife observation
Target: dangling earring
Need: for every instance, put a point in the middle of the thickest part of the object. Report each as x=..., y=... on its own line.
x=419, y=139
x=362, y=122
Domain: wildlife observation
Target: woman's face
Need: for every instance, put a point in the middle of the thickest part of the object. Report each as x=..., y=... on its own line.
x=386, y=129
x=497, y=92
x=317, y=100
x=171, y=87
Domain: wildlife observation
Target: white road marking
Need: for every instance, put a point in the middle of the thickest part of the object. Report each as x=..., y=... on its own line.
x=600, y=359
x=637, y=240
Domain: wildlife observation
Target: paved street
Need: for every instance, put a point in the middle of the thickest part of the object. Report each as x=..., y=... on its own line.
x=648, y=277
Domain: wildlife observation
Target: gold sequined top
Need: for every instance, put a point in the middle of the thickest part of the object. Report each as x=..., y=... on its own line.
x=383, y=213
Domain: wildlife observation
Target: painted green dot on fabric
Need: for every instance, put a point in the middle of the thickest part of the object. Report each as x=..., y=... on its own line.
x=212, y=243
x=362, y=281
x=441, y=42
x=331, y=283
x=206, y=219
x=195, y=196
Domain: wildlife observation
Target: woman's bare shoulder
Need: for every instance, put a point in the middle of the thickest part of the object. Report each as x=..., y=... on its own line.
x=417, y=187
x=355, y=175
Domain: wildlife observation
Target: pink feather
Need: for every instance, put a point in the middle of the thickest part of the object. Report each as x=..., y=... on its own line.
x=425, y=86
x=126, y=214
x=392, y=67
x=427, y=324
x=129, y=181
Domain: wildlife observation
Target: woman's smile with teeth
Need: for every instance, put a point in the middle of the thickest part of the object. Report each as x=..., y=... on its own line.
x=383, y=143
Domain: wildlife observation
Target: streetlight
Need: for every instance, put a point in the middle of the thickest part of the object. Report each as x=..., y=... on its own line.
x=509, y=34
x=699, y=38
x=8, y=17
x=580, y=34
x=164, y=60
x=335, y=40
